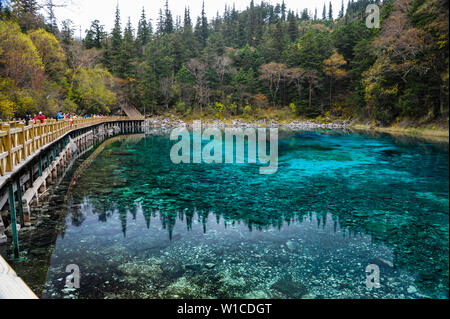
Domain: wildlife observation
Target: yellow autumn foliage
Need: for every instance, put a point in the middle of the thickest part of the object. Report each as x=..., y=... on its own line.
x=333, y=66
x=50, y=52
x=19, y=57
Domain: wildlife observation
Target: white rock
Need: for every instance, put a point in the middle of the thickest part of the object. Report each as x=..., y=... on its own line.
x=411, y=290
x=291, y=245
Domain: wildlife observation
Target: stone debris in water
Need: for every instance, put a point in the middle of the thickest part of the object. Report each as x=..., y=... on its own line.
x=412, y=290
x=172, y=122
x=292, y=246
x=172, y=269
x=290, y=289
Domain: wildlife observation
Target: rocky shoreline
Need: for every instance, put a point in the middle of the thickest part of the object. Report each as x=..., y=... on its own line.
x=173, y=122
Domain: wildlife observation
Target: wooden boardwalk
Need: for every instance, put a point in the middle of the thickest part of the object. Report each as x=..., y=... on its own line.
x=131, y=111
x=19, y=142
x=12, y=286
x=20, y=145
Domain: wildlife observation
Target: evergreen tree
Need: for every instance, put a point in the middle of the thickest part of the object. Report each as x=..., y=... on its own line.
x=160, y=25
x=283, y=11
x=187, y=18
x=341, y=13
x=252, y=24
x=279, y=41
x=88, y=40
x=106, y=58
x=277, y=12
x=168, y=19
x=252, y=81
x=305, y=15
x=292, y=26
x=330, y=12
x=94, y=36
x=127, y=52
x=150, y=28
x=67, y=32
x=204, y=26
x=143, y=32
x=324, y=12
x=52, y=25
x=26, y=13
x=178, y=22
x=116, y=44
x=190, y=44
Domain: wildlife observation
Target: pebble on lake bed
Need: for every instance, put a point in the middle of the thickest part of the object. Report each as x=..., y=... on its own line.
x=411, y=290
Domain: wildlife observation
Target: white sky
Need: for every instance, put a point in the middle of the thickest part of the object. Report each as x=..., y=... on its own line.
x=83, y=12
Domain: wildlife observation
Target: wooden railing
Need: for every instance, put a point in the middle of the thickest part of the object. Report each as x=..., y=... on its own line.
x=18, y=142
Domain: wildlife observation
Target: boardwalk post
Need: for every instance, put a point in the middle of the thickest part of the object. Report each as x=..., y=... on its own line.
x=12, y=208
x=19, y=195
x=9, y=160
x=40, y=165
x=41, y=135
x=23, y=151
x=31, y=173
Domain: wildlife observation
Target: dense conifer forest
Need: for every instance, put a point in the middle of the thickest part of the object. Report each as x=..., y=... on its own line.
x=265, y=61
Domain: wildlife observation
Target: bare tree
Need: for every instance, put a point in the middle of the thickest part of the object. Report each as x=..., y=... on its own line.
x=296, y=76
x=81, y=58
x=223, y=66
x=51, y=5
x=273, y=73
x=198, y=70
x=166, y=85
x=312, y=78
x=242, y=94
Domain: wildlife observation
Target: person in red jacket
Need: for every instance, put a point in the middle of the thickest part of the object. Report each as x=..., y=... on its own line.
x=41, y=117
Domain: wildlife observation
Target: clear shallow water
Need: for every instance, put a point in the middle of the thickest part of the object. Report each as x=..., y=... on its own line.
x=139, y=226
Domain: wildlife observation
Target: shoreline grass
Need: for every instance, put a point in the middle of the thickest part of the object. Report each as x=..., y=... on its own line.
x=434, y=133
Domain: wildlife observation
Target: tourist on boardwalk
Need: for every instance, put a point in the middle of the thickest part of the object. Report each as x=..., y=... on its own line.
x=59, y=116
x=41, y=117
x=27, y=119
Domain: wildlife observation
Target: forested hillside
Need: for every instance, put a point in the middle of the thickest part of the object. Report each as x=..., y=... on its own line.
x=253, y=62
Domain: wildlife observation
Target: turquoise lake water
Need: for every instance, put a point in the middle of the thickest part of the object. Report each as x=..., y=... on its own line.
x=139, y=226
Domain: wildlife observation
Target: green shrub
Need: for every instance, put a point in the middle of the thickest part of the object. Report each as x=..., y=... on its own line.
x=293, y=108
x=232, y=109
x=180, y=107
x=220, y=108
x=210, y=110
x=188, y=111
x=247, y=110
